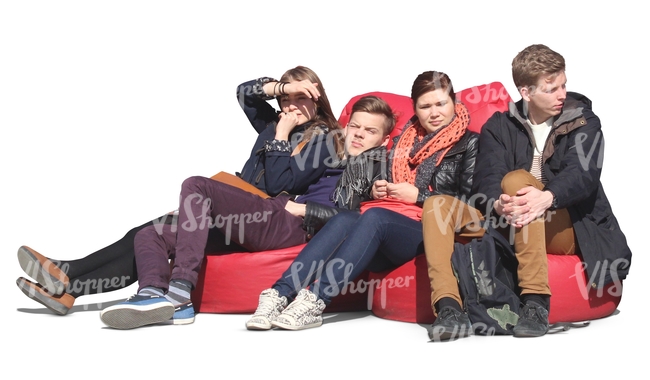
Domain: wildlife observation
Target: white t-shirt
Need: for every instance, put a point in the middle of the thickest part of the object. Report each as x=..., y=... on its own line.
x=540, y=133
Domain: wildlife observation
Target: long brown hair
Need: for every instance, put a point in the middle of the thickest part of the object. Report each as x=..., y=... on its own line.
x=324, y=114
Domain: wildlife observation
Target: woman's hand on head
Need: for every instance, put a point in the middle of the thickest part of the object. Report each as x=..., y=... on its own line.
x=305, y=87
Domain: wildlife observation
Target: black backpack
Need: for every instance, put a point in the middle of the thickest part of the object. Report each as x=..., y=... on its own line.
x=486, y=270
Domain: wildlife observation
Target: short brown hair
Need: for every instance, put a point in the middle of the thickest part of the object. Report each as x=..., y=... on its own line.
x=533, y=62
x=430, y=81
x=377, y=106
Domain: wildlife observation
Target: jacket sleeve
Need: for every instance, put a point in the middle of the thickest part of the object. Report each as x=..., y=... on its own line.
x=580, y=168
x=316, y=215
x=294, y=174
x=253, y=102
x=467, y=170
x=491, y=163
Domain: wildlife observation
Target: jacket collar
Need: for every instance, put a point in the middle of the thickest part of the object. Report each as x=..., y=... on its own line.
x=572, y=110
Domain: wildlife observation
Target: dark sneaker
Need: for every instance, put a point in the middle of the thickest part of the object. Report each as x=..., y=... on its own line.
x=450, y=324
x=138, y=310
x=533, y=321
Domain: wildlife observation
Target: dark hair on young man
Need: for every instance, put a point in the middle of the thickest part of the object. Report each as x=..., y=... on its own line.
x=376, y=106
x=533, y=62
x=430, y=81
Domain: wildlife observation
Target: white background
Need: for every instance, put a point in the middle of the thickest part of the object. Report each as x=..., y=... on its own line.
x=105, y=107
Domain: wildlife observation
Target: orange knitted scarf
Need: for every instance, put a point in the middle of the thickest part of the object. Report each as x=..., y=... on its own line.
x=404, y=166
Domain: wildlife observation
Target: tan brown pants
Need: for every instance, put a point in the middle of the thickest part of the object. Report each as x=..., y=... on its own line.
x=445, y=218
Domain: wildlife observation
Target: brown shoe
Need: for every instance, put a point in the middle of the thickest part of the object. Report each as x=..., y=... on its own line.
x=60, y=304
x=44, y=271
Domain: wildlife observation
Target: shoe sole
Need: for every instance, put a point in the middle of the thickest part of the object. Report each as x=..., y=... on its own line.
x=258, y=326
x=178, y=322
x=528, y=334
x=295, y=328
x=48, y=302
x=128, y=317
x=34, y=269
x=448, y=335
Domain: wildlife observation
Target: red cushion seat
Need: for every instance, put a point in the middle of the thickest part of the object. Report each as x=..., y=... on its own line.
x=572, y=299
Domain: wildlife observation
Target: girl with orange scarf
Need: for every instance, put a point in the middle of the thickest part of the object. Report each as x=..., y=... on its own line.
x=434, y=155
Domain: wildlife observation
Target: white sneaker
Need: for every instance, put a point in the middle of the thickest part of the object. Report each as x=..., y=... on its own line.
x=304, y=312
x=268, y=308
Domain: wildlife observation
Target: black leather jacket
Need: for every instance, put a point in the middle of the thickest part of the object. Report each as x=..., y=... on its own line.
x=454, y=174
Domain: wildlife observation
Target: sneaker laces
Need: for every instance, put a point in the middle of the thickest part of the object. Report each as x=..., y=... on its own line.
x=267, y=305
x=530, y=312
x=296, y=309
x=446, y=313
x=302, y=305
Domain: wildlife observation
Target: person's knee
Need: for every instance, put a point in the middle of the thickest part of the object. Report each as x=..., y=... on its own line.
x=376, y=217
x=435, y=203
x=146, y=235
x=515, y=180
x=193, y=184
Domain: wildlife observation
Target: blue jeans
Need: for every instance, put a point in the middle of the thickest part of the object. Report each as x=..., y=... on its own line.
x=350, y=243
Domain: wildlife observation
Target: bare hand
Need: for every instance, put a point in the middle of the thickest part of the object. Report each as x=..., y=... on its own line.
x=295, y=209
x=528, y=204
x=402, y=191
x=288, y=121
x=305, y=87
x=379, y=189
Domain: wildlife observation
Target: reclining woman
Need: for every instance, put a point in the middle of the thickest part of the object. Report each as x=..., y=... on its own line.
x=275, y=224
x=305, y=132
x=434, y=154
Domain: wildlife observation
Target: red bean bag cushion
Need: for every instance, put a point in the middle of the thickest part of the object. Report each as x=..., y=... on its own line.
x=232, y=282
x=405, y=295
